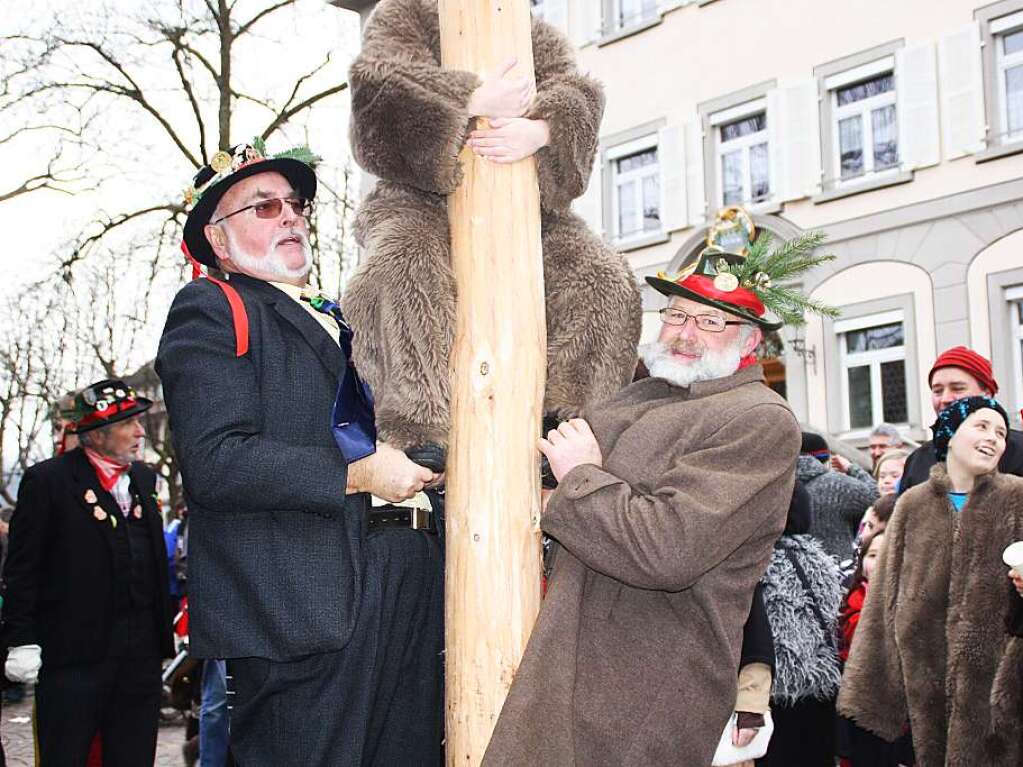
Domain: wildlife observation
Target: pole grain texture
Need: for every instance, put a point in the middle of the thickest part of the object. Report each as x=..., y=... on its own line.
x=498, y=375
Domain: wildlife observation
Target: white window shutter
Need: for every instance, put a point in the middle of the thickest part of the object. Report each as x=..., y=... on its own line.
x=696, y=189
x=671, y=163
x=962, y=92
x=587, y=21
x=794, y=140
x=555, y=13
x=590, y=205
x=916, y=86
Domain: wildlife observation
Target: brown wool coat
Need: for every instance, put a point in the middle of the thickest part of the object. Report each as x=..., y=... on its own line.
x=932, y=644
x=634, y=657
x=409, y=122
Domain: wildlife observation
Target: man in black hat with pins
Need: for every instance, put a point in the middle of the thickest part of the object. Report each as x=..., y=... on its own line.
x=329, y=614
x=86, y=610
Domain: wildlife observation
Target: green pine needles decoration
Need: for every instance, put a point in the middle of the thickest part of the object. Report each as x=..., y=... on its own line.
x=764, y=270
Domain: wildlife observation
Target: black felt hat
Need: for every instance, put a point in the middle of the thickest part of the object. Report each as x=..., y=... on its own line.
x=227, y=168
x=103, y=403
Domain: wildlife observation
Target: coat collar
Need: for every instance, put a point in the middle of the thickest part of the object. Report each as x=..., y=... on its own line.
x=289, y=310
x=940, y=484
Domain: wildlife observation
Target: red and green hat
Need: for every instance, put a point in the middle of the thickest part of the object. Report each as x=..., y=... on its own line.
x=738, y=273
x=225, y=169
x=104, y=403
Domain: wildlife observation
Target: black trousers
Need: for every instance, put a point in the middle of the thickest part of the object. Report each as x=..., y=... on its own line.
x=118, y=697
x=804, y=735
x=379, y=701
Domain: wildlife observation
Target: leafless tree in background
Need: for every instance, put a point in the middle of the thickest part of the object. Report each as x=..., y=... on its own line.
x=125, y=106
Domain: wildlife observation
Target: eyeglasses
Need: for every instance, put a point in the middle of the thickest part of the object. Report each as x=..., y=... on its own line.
x=272, y=208
x=711, y=323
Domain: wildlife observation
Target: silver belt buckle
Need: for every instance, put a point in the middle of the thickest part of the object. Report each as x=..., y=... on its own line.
x=419, y=518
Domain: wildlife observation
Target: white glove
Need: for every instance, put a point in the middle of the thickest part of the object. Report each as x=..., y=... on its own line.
x=23, y=663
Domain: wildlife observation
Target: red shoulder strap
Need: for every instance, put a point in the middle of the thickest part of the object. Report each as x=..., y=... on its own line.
x=239, y=316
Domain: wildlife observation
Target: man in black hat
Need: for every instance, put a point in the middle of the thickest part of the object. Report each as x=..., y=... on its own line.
x=87, y=611
x=329, y=615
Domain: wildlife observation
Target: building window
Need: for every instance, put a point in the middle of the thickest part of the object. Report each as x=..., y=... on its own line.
x=864, y=124
x=1015, y=299
x=742, y=159
x=636, y=191
x=1009, y=61
x=631, y=13
x=873, y=355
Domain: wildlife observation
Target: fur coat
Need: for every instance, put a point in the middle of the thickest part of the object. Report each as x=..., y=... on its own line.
x=409, y=122
x=932, y=643
x=806, y=659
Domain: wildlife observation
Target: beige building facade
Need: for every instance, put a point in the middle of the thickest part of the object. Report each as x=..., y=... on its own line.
x=896, y=128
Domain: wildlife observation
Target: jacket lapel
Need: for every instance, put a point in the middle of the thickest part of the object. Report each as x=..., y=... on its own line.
x=143, y=494
x=93, y=500
x=308, y=328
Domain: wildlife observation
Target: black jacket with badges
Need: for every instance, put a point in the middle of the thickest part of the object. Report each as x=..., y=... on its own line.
x=69, y=573
x=275, y=562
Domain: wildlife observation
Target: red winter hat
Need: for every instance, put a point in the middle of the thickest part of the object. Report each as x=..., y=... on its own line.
x=966, y=359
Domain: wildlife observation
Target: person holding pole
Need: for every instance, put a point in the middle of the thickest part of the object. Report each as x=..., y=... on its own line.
x=671, y=496
x=328, y=612
x=411, y=118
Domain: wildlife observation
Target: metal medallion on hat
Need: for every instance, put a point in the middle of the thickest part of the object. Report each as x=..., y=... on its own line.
x=220, y=162
x=726, y=282
x=89, y=396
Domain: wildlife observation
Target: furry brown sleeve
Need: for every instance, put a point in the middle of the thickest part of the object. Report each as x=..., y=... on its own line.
x=873, y=692
x=573, y=105
x=409, y=117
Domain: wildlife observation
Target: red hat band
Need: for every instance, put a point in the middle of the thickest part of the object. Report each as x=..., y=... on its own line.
x=118, y=406
x=704, y=285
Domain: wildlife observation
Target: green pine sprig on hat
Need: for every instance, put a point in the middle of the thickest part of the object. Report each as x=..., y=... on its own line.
x=764, y=270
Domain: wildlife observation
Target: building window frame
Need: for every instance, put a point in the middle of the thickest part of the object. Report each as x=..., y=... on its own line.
x=723, y=110
x=1005, y=289
x=998, y=20
x=871, y=359
x=865, y=314
x=744, y=146
x=834, y=76
x=613, y=149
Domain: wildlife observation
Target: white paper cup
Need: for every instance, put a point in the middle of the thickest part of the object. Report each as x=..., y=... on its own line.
x=1013, y=556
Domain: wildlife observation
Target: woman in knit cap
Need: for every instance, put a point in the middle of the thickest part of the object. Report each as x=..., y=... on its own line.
x=957, y=373
x=939, y=645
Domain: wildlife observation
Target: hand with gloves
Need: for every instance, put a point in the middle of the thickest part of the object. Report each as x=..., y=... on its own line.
x=23, y=663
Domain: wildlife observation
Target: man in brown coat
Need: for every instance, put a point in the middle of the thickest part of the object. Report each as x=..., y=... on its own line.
x=672, y=494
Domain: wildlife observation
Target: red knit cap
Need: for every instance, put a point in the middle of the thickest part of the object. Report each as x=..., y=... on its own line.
x=966, y=359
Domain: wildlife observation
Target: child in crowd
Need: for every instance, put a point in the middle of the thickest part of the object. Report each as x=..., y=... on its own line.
x=888, y=471
x=858, y=747
x=875, y=519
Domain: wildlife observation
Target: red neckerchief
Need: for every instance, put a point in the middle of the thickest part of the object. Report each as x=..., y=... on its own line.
x=107, y=469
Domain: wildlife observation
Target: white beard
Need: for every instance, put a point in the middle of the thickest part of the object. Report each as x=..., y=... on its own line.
x=658, y=360
x=270, y=263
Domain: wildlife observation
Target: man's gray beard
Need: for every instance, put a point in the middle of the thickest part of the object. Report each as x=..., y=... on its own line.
x=658, y=360
x=270, y=263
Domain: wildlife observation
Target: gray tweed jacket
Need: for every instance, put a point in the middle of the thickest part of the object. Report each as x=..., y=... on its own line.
x=275, y=560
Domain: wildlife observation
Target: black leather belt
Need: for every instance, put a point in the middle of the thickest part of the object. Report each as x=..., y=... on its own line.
x=402, y=516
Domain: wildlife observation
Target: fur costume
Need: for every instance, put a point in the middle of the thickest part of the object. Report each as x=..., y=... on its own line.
x=409, y=123
x=806, y=662
x=932, y=643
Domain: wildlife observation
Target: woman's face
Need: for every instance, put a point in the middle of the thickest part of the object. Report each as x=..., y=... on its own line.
x=870, y=558
x=889, y=474
x=978, y=443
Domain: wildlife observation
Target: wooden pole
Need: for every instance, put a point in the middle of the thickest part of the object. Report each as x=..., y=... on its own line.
x=498, y=376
